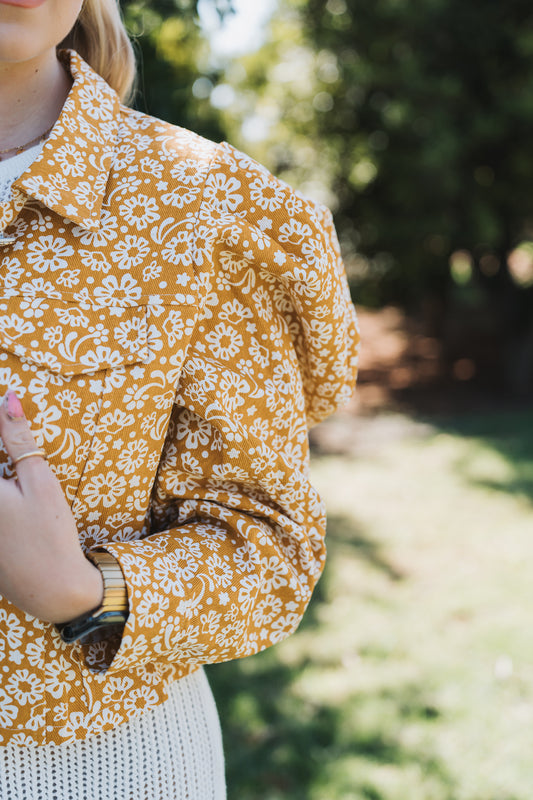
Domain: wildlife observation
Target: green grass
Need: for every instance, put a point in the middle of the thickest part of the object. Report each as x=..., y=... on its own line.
x=411, y=677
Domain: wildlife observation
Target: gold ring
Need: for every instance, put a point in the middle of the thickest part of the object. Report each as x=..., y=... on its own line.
x=40, y=453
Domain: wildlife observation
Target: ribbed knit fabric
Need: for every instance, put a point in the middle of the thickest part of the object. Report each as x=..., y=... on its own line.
x=12, y=169
x=172, y=752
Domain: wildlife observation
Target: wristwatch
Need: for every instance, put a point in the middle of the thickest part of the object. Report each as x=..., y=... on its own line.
x=111, y=615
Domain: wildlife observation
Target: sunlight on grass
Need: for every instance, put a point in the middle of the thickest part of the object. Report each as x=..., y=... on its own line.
x=411, y=676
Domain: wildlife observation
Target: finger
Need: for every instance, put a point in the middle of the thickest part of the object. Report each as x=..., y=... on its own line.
x=18, y=439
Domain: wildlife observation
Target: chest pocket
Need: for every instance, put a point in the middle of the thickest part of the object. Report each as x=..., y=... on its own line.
x=73, y=338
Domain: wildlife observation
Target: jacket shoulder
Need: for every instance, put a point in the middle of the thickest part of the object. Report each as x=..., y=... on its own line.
x=149, y=139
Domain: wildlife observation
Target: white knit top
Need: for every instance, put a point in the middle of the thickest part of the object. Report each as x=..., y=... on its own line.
x=171, y=752
x=12, y=168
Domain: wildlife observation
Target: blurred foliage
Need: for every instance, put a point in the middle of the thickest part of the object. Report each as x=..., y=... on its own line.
x=442, y=114
x=173, y=55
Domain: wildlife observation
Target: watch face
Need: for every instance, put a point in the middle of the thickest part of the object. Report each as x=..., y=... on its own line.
x=89, y=629
x=103, y=633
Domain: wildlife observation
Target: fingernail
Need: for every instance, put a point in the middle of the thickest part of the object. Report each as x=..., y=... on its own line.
x=13, y=406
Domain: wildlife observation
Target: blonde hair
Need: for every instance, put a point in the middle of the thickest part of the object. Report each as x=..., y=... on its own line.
x=99, y=36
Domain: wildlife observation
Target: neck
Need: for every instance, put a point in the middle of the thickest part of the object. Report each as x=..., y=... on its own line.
x=32, y=94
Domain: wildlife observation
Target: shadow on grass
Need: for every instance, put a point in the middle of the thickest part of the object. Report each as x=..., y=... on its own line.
x=343, y=531
x=508, y=434
x=279, y=744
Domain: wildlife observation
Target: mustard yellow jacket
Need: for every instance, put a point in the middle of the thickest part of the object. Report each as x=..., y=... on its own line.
x=175, y=319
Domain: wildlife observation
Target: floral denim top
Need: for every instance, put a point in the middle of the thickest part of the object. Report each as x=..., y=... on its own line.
x=174, y=318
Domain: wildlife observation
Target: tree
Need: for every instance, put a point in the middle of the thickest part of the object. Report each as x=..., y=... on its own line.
x=173, y=59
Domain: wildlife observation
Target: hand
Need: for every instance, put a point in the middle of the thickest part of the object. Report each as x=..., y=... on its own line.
x=43, y=569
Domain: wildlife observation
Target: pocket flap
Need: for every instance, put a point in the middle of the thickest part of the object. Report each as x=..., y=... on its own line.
x=73, y=338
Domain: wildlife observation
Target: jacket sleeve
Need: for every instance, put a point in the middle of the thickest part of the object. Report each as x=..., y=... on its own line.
x=237, y=537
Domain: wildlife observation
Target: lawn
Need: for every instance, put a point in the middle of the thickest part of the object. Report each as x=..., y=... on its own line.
x=411, y=677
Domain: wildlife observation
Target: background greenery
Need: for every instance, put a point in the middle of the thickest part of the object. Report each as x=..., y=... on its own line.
x=411, y=676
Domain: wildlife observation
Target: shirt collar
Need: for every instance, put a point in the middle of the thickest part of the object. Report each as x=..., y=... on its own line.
x=70, y=175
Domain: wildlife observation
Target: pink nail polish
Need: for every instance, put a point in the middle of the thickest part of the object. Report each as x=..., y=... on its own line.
x=13, y=406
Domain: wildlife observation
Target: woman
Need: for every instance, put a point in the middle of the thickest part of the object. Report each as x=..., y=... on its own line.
x=173, y=319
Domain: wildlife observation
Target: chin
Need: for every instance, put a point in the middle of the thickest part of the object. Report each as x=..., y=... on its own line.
x=18, y=45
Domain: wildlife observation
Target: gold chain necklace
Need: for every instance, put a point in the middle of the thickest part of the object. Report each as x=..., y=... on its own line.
x=20, y=148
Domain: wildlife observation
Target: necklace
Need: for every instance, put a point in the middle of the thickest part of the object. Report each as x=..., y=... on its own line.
x=20, y=148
